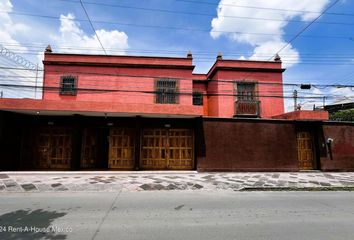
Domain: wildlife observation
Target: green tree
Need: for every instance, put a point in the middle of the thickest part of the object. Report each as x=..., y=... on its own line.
x=344, y=115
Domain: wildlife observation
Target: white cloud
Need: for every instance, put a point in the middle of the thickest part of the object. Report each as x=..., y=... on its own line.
x=68, y=35
x=342, y=95
x=71, y=34
x=265, y=50
x=308, y=98
x=313, y=97
x=264, y=45
x=9, y=29
x=288, y=105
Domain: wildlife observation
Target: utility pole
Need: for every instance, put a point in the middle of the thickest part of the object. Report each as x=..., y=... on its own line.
x=295, y=99
x=324, y=101
x=1, y=94
x=35, y=88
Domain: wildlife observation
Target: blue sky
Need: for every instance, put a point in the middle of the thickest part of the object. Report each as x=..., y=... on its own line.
x=240, y=29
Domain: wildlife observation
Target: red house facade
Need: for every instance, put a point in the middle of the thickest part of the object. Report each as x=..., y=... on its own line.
x=129, y=86
x=136, y=113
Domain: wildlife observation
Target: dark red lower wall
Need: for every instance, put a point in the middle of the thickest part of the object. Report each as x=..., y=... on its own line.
x=220, y=144
x=241, y=145
x=342, y=147
x=10, y=141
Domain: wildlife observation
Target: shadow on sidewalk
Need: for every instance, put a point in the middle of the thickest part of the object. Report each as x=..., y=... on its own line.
x=26, y=224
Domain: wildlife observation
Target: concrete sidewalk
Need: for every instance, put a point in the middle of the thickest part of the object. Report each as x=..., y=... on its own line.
x=165, y=180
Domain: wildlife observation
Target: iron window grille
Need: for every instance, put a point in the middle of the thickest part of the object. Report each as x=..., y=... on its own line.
x=246, y=91
x=68, y=85
x=166, y=91
x=246, y=102
x=198, y=98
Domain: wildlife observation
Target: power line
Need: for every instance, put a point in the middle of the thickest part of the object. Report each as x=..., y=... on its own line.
x=180, y=79
x=205, y=55
x=175, y=27
x=306, y=27
x=298, y=34
x=193, y=13
x=262, y=8
x=78, y=47
x=29, y=77
x=93, y=28
x=150, y=92
x=306, y=60
x=262, y=92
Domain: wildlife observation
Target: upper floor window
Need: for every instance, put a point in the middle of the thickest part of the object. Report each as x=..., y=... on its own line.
x=68, y=85
x=166, y=91
x=197, y=98
x=246, y=91
x=246, y=104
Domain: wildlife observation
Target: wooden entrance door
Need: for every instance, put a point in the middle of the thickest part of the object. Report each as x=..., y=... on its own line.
x=60, y=148
x=43, y=148
x=167, y=149
x=121, y=148
x=305, y=151
x=52, y=146
x=89, y=149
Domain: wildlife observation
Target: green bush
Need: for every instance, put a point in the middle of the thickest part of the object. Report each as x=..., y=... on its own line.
x=344, y=115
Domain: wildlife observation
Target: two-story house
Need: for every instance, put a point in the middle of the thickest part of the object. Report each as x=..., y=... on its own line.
x=133, y=112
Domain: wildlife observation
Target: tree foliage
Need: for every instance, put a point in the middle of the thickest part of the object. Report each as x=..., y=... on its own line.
x=344, y=115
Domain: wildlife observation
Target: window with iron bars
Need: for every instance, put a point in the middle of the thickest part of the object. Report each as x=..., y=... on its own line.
x=68, y=85
x=246, y=91
x=198, y=98
x=166, y=91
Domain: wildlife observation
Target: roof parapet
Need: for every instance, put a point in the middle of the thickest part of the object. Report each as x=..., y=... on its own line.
x=48, y=49
x=219, y=56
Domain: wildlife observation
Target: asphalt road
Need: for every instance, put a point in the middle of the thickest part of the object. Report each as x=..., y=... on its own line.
x=177, y=215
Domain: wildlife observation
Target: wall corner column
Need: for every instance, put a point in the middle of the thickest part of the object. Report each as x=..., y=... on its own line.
x=137, y=143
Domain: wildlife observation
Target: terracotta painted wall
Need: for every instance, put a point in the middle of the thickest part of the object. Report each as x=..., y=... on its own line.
x=342, y=147
x=270, y=106
x=119, y=72
x=304, y=115
x=103, y=78
x=246, y=145
x=213, y=101
x=202, y=87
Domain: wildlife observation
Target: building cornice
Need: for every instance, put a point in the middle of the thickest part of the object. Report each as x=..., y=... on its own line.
x=121, y=65
x=243, y=69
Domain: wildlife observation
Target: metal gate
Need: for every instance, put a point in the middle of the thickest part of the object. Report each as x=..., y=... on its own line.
x=167, y=149
x=121, y=148
x=305, y=151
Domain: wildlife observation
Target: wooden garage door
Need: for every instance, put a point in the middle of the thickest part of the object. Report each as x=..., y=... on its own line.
x=167, y=149
x=53, y=148
x=305, y=151
x=121, y=148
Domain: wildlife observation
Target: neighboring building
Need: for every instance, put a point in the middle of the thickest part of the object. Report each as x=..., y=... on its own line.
x=339, y=106
x=129, y=112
